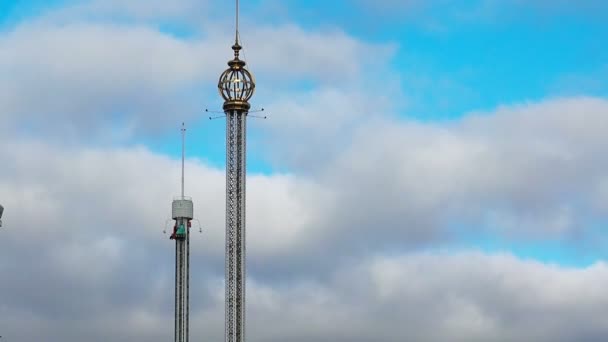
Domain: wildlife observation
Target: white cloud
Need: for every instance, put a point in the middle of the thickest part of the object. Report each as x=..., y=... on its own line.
x=88, y=240
x=111, y=191
x=526, y=170
x=421, y=297
x=326, y=55
x=76, y=215
x=95, y=75
x=72, y=76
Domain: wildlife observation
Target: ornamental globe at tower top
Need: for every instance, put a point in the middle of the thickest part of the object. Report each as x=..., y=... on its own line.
x=236, y=84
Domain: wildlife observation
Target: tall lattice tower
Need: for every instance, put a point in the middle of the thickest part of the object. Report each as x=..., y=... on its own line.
x=182, y=213
x=236, y=85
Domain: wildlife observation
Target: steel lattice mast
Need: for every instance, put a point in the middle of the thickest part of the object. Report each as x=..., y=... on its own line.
x=236, y=85
x=182, y=213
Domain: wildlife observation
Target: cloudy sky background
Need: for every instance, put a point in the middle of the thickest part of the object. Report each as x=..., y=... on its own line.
x=430, y=170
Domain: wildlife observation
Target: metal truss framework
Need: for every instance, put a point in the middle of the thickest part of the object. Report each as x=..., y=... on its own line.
x=235, y=224
x=182, y=283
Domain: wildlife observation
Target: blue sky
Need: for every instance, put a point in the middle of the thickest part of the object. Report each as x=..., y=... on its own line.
x=442, y=155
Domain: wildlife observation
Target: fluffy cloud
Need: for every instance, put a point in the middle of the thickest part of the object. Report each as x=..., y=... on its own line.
x=530, y=170
x=462, y=297
x=330, y=243
x=422, y=297
x=92, y=219
x=122, y=192
x=92, y=75
x=104, y=76
x=84, y=239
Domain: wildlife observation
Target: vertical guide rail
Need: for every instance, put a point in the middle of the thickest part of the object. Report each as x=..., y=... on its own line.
x=242, y=118
x=180, y=285
x=186, y=259
x=235, y=226
x=182, y=275
x=175, y=324
x=181, y=290
x=230, y=224
x=178, y=290
x=187, y=283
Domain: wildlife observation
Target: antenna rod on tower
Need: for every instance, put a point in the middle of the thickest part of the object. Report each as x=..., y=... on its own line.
x=183, y=154
x=237, y=23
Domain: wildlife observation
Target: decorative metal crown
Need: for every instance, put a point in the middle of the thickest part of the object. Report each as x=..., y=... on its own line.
x=236, y=84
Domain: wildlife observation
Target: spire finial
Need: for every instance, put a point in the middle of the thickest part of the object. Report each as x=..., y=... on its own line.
x=236, y=47
x=236, y=84
x=236, y=37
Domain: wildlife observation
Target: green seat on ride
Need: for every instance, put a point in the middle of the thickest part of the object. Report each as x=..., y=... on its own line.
x=181, y=231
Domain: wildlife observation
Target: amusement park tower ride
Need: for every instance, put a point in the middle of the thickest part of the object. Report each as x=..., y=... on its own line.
x=182, y=213
x=236, y=86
